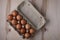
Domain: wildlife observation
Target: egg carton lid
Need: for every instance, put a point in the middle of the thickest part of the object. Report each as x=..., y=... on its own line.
x=30, y=13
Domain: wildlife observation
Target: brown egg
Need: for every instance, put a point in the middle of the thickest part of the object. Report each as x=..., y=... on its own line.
x=14, y=22
x=22, y=30
x=27, y=35
x=27, y=26
x=18, y=26
x=23, y=21
x=32, y=30
x=10, y=17
x=14, y=13
x=19, y=17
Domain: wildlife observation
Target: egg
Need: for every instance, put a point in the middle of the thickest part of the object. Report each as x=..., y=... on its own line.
x=10, y=17
x=14, y=13
x=18, y=26
x=22, y=30
x=27, y=26
x=32, y=31
x=27, y=35
x=14, y=22
x=23, y=21
x=19, y=17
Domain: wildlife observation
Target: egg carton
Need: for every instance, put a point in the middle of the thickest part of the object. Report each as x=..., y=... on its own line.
x=30, y=13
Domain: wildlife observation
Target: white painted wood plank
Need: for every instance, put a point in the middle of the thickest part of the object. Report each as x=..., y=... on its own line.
x=2, y=19
x=53, y=15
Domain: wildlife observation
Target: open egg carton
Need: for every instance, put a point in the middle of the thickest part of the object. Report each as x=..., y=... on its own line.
x=26, y=20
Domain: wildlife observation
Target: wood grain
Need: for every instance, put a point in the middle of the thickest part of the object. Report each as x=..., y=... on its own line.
x=52, y=15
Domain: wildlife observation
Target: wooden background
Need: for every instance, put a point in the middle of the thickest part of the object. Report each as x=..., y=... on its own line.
x=49, y=8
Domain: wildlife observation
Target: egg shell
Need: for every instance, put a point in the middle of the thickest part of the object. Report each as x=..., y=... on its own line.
x=27, y=35
x=18, y=26
x=14, y=22
x=10, y=17
x=31, y=31
x=22, y=30
x=23, y=21
x=27, y=26
x=19, y=17
x=14, y=13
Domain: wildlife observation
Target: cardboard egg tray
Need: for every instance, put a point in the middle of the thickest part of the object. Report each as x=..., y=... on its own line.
x=29, y=13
